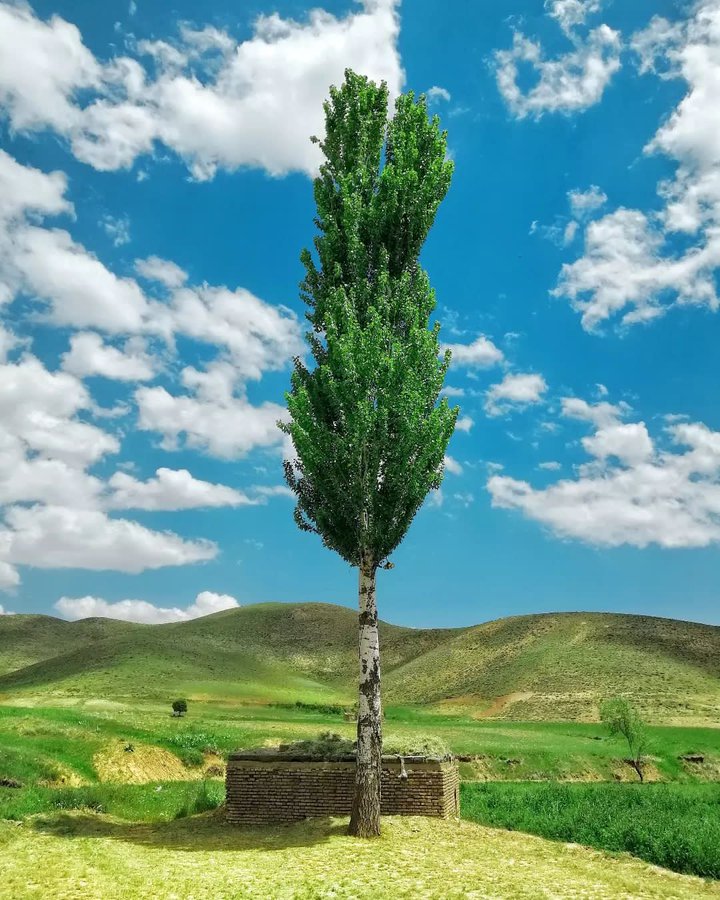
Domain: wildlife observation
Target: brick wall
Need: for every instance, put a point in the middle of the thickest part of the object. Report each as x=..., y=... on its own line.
x=262, y=789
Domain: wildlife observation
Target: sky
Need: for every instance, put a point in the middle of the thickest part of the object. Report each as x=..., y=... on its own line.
x=155, y=194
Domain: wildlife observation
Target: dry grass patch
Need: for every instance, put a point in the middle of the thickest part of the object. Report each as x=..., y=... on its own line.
x=101, y=858
x=146, y=763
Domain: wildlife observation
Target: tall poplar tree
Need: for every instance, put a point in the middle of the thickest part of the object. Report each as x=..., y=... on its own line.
x=368, y=431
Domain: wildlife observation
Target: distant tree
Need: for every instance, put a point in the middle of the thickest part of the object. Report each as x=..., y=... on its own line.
x=179, y=707
x=622, y=718
x=367, y=428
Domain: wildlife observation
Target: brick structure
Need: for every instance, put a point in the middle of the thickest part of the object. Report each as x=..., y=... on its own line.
x=271, y=787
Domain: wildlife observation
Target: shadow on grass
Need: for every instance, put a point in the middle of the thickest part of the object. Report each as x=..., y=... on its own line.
x=207, y=832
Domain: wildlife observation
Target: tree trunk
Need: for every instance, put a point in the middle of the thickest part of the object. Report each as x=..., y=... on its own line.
x=365, y=816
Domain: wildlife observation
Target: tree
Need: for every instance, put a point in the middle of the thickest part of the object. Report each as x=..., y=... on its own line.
x=179, y=707
x=622, y=718
x=368, y=432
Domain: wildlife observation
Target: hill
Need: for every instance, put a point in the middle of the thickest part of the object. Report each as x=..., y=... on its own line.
x=551, y=666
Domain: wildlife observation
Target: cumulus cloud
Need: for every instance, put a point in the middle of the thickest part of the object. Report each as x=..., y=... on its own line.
x=206, y=603
x=256, y=104
x=171, y=489
x=637, y=264
x=5, y=612
x=163, y=271
x=632, y=490
x=569, y=83
x=513, y=392
x=215, y=416
x=23, y=189
x=79, y=291
x=90, y=355
x=38, y=408
x=55, y=537
x=481, y=353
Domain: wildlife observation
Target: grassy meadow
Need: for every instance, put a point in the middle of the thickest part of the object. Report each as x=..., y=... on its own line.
x=516, y=700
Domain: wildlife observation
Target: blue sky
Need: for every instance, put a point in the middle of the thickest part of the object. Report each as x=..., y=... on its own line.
x=155, y=193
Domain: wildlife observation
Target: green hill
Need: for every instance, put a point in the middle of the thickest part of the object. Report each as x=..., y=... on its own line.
x=551, y=666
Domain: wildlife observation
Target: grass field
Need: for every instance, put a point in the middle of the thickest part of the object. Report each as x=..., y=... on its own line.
x=98, y=857
x=672, y=825
x=68, y=744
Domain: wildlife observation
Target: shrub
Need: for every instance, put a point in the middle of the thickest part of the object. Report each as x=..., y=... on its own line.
x=622, y=718
x=179, y=707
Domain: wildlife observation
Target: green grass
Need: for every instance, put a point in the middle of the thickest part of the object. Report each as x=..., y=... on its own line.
x=41, y=743
x=671, y=825
x=154, y=802
x=544, y=667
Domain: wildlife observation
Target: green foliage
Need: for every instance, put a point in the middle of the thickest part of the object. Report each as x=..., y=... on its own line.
x=621, y=717
x=369, y=436
x=676, y=826
x=180, y=706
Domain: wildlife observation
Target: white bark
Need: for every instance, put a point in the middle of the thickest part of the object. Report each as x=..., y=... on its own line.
x=365, y=818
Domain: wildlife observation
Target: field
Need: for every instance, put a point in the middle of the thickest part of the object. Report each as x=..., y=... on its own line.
x=120, y=798
x=104, y=858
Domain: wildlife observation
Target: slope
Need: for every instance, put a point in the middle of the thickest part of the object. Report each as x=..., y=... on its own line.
x=554, y=666
x=561, y=665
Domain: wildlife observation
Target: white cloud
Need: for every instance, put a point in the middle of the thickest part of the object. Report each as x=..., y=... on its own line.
x=464, y=423
x=38, y=407
x=89, y=355
x=273, y=490
x=584, y=202
x=514, y=391
x=569, y=83
x=214, y=418
x=80, y=290
x=654, y=43
x=5, y=612
x=9, y=576
x=602, y=415
x=171, y=489
x=453, y=466
x=50, y=537
x=437, y=94
x=161, y=270
x=631, y=491
x=256, y=104
x=24, y=189
x=550, y=466
x=42, y=66
x=633, y=267
x=571, y=13
x=8, y=342
x=257, y=335
x=481, y=353
x=141, y=611
x=117, y=229
x=629, y=443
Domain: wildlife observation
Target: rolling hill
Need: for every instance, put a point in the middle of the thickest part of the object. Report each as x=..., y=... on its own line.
x=550, y=666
